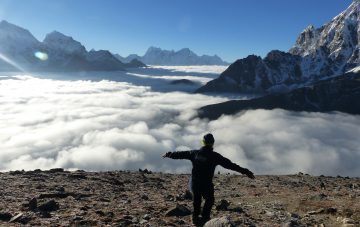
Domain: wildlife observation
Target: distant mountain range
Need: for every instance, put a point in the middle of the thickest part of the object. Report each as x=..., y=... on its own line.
x=157, y=56
x=318, y=53
x=20, y=50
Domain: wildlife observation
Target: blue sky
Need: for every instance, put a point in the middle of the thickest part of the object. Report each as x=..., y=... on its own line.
x=232, y=29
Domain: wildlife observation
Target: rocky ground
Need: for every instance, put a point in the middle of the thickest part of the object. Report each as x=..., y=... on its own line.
x=122, y=198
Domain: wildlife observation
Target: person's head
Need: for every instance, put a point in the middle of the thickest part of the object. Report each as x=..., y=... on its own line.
x=208, y=140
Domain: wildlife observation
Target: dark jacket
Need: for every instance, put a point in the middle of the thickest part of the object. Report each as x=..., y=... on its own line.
x=204, y=162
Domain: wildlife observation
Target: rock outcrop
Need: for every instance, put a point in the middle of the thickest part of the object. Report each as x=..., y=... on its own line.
x=335, y=94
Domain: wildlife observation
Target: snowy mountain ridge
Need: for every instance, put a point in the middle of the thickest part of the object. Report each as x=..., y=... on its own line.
x=20, y=50
x=16, y=45
x=158, y=56
x=9, y=34
x=318, y=53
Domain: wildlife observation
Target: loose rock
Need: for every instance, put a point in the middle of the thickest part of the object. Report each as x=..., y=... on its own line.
x=223, y=205
x=5, y=216
x=319, y=211
x=179, y=210
x=49, y=206
x=144, y=197
x=33, y=204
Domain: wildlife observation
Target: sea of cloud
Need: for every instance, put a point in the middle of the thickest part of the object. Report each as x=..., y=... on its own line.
x=110, y=125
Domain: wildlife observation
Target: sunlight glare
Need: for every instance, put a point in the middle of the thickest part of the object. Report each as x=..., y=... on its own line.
x=11, y=62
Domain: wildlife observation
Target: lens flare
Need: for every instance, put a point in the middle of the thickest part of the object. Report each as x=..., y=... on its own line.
x=41, y=55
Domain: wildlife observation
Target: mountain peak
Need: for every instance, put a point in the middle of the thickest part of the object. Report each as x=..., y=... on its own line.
x=56, y=35
x=4, y=22
x=8, y=26
x=309, y=28
x=153, y=49
x=59, y=41
x=185, y=50
x=14, y=32
x=351, y=12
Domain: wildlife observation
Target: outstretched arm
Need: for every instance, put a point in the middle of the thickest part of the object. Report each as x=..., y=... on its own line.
x=226, y=163
x=178, y=155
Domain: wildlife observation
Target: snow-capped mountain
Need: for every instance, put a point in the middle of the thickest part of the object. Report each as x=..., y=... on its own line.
x=10, y=35
x=20, y=50
x=157, y=56
x=318, y=53
x=333, y=48
x=65, y=53
x=57, y=41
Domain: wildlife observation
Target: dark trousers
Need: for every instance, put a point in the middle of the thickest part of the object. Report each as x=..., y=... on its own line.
x=203, y=190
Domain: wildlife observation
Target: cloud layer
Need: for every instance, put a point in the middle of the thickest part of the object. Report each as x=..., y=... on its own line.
x=108, y=125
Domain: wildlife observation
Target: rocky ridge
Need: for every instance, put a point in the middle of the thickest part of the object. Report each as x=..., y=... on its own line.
x=122, y=198
x=334, y=94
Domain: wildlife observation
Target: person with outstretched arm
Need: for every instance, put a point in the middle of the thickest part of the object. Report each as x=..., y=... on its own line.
x=204, y=162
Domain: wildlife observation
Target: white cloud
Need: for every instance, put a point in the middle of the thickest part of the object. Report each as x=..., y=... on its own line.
x=198, y=74
x=279, y=141
x=108, y=125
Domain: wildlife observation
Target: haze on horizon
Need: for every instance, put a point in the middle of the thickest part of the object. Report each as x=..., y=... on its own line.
x=232, y=30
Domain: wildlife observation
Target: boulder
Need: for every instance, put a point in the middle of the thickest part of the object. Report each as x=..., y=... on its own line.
x=178, y=211
x=220, y=222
